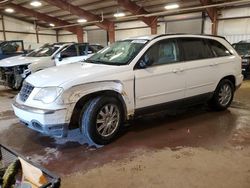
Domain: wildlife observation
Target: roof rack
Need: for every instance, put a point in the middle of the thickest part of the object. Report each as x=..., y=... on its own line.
x=162, y=35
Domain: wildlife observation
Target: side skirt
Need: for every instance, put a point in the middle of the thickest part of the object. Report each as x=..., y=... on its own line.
x=174, y=105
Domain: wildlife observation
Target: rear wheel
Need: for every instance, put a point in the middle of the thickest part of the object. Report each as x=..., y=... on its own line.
x=101, y=120
x=223, y=95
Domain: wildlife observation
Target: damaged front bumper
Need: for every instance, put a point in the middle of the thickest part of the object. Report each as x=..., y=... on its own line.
x=48, y=122
x=13, y=76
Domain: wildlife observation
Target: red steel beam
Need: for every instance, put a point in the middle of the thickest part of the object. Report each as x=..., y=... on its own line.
x=135, y=9
x=44, y=17
x=76, y=10
x=213, y=15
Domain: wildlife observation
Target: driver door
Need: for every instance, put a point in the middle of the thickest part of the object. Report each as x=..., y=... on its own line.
x=163, y=78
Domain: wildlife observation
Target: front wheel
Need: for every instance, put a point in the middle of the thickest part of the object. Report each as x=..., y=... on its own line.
x=101, y=120
x=223, y=95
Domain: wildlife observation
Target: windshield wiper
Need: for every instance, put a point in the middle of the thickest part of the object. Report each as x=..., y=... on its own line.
x=94, y=61
x=103, y=62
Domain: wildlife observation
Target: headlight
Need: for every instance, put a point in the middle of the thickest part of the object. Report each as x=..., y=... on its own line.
x=48, y=94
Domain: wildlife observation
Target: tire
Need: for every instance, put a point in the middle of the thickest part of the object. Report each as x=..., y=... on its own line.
x=223, y=95
x=109, y=114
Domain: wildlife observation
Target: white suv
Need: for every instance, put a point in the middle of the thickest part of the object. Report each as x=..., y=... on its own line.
x=129, y=78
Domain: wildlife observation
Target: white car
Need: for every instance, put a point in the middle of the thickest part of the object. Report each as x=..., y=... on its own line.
x=13, y=70
x=132, y=77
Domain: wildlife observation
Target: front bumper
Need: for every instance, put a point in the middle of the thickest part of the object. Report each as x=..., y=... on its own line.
x=48, y=122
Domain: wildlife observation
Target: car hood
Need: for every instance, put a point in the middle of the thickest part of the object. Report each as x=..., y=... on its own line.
x=20, y=60
x=78, y=73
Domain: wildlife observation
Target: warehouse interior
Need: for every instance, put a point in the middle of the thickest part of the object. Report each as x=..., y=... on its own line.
x=193, y=147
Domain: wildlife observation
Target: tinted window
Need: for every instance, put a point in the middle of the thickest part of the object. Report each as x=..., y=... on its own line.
x=195, y=48
x=218, y=48
x=69, y=52
x=96, y=48
x=12, y=47
x=45, y=51
x=242, y=48
x=163, y=52
x=83, y=49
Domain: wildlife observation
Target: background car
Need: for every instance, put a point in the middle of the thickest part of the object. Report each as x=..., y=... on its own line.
x=243, y=49
x=15, y=69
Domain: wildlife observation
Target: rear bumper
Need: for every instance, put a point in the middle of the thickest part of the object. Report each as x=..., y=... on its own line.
x=48, y=122
x=238, y=81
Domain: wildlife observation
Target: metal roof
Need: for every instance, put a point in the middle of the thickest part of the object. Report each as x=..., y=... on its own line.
x=96, y=7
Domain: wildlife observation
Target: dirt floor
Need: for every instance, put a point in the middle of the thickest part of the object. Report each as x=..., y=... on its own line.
x=192, y=148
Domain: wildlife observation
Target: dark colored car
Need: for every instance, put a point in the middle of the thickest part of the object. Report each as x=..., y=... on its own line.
x=11, y=48
x=243, y=49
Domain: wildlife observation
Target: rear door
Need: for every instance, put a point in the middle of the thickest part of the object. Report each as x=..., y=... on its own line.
x=200, y=66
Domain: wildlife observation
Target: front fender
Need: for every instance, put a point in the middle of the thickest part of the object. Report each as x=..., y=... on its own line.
x=72, y=95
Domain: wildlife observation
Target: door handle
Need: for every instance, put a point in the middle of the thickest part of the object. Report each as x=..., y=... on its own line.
x=213, y=64
x=175, y=70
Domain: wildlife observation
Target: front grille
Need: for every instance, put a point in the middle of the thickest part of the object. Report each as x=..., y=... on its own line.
x=25, y=91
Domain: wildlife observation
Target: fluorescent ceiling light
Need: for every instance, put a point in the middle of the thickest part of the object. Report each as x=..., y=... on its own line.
x=52, y=25
x=35, y=3
x=9, y=10
x=172, y=6
x=81, y=20
x=119, y=14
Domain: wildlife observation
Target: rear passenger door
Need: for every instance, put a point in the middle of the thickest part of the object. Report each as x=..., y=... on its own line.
x=200, y=66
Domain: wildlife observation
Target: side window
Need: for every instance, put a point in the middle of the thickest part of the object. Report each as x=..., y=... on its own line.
x=83, y=49
x=12, y=47
x=69, y=52
x=218, y=48
x=195, y=48
x=96, y=48
x=163, y=52
x=91, y=50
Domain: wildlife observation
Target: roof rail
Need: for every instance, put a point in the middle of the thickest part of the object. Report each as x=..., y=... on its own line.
x=162, y=35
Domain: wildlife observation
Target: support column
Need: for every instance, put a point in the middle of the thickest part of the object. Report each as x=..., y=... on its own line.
x=154, y=27
x=37, y=34
x=79, y=33
x=215, y=23
x=57, y=35
x=3, y=26
x=111, y=33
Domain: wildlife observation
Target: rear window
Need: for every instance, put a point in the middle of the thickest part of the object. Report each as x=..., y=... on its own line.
x=218, y=48
x=196, y=48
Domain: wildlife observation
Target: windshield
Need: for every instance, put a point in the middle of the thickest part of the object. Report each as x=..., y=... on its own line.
x=242, y=48
x=119, y=53
x=45, y=51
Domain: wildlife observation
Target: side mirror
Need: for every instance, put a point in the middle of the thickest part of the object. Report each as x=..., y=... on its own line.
x=61, y=56
x=145, y=62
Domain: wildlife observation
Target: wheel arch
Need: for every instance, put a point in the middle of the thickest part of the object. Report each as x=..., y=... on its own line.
x=83, y=100
x=230, y=78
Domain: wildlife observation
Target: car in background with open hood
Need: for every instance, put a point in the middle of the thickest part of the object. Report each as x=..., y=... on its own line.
x=15, y=69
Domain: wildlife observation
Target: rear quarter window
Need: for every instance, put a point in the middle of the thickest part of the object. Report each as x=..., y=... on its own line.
x=219, y=49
